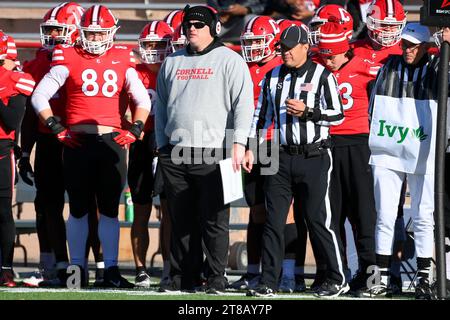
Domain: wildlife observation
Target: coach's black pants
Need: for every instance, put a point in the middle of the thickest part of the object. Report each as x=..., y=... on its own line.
x=307, y=180
x=352, y=196
x=195, y=199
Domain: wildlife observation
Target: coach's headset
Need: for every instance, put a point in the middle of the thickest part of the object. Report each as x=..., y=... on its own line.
x=214, y=27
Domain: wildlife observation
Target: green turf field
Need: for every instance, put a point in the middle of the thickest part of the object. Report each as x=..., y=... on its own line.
x=140, y=294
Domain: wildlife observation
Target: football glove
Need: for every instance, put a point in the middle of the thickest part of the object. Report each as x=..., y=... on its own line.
x=126, y=137
x=65, y=136
x=25, y=170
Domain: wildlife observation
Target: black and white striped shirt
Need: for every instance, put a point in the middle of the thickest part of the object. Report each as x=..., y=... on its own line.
x=313, y=84
x=397, y=79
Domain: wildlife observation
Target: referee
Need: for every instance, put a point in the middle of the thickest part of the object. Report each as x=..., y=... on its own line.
x=302, y=99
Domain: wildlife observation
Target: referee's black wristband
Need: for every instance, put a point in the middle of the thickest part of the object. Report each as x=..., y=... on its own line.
x=53, y=124
x=136, y=128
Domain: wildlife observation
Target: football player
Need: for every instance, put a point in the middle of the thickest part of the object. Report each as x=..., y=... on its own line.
x=385, y=22
x=154, y=45
x=15, y=86
x=59, y=26
x=351, y=184
x=94, y=74
x=330, y=12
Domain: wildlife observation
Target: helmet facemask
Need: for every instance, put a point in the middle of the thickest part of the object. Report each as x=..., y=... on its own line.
x=384, y=32
x=154, y=50
x=255, y=48
x=65, y=31
x=101, y=46
x=314, y=31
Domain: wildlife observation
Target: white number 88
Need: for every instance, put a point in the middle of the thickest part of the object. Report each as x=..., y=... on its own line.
x=89, y=77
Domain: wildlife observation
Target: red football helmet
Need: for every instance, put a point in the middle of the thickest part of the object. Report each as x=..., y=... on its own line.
x=385, y=22
x=65, y=18
x=98, y=19
x=330, y=13
x=7, y=47
x=259, y=38
x=283, y=24
x=174, y=18
x=154, y=41
x=179, y=39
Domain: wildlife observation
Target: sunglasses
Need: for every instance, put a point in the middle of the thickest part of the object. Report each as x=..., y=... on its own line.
x=197, y=25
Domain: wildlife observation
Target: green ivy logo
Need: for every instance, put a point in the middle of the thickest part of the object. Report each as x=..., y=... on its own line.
x=399, y=132
x=419, y=134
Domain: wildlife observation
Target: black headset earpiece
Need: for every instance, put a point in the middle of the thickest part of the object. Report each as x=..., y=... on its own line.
x=215, y=26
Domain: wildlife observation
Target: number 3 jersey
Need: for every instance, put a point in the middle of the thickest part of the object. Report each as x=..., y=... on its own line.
x=94, y=82
x=353, y=79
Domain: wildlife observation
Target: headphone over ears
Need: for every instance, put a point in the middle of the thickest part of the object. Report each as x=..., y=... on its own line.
x=215, y=27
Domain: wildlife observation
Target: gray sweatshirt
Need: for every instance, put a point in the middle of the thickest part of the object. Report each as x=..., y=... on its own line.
x=200, y=96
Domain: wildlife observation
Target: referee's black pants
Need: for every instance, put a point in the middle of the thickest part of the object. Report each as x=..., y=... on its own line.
x=198, y=215
x=352, y=195
x=306, y=179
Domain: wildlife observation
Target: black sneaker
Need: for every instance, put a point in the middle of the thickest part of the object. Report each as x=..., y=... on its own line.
x=396, y=285
x=170, y=286
x=319, y=279
x=423, y=290
x=379, y=290
x=331, y=290
x=261, y=290
x=216, y=285
x=99, y=277
x=358, y=285
x=247, y=281
x=300, y=285
x=113, y=279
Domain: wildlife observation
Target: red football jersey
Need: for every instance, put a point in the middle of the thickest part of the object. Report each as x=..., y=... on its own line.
x=13, y=83
x=363, y=48
x=38, y=68
x=94, y=84
x=258, y=71
x=148, y=78
x=353, y=79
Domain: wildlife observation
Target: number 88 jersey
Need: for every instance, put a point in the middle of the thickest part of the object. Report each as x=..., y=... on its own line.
x=94, y=83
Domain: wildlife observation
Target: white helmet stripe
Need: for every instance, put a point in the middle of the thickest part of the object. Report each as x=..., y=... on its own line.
x=95, y=14
x=171, y=16
x=390, y=8
x=153, y=27
x=55, y=11
x=115, y=19
x=77, y=17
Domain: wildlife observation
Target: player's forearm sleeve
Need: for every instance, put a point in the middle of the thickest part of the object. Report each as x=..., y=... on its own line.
x=48, y=86
x=137, y=91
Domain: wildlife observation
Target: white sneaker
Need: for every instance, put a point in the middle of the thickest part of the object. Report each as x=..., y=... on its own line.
x=287, y=285
x=142, y=280
x=38, y=277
